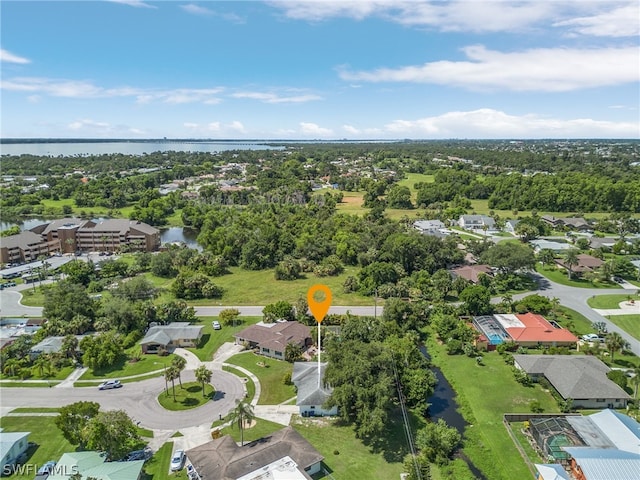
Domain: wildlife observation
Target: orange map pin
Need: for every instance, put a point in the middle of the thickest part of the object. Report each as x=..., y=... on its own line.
x=319, y=308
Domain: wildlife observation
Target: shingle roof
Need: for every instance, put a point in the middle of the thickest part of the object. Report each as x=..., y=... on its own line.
x=472, y=272
x=23, y=239
x=573, y=376
x=223, y=459
x=305, y=378
x=164, y=334
x=275, y=336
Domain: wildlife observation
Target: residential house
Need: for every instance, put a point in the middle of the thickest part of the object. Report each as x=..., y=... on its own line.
x=601, y=446
x=285, y=454
x=556, y=247
x=172, y=335
x=510, y=226
x=586, y=263
x=312, y=392
x=477, y=223
x=602, y=242
x=472, y=272
x=431, y=227
x=581, y=378
x=50, y=345
x=271, y=339
x=571, y=223
x=93, y=465
x=13, y=446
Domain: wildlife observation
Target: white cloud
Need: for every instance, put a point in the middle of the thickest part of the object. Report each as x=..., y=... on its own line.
x=237, y=126
x=88, y=124
x=7, y=56
x=308, y=129
x=218, y=128
x=489, y=123
x=196, y=9
x=543, y=69
x=134, y=3
x=274, y=98
x=612, y=22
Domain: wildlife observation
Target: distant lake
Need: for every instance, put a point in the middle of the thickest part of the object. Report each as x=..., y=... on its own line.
x=70, y=149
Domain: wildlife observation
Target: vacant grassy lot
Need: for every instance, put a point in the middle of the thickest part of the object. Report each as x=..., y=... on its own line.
x=484, y=394
x=560, y=276
x=50, y=444
x=213, y=339
x=272, y=390
x=610, y=301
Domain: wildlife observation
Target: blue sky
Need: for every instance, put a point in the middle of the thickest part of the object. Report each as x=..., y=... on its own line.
x=320, y=70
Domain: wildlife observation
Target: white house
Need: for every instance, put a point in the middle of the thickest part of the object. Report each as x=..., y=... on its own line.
x=12, y=446
x=312, y=394
x=430, y=227
x=477, y=222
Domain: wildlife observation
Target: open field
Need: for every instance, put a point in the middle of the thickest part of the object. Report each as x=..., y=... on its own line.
x=273, y=390
x=493, y=392
x=610, y=301
x=560, y=276
x=147, y=363
x=629, y=323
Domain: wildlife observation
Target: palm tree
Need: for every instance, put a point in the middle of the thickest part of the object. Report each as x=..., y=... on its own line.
x=179, y=363
x=170, y=374
x=615, y=343
x=507, y=300
x=571, y=260
x=635, y=380
x=241, y=414
x=203, y=375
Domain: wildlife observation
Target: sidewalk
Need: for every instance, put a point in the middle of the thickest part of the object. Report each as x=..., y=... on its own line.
x=71, y=379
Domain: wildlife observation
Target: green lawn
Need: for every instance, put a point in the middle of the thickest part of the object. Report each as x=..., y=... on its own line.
x=125, y=368
x=483, y=401
x=213, y=339
x=610, y=301
x=262, y=428
x=251, y=387
x=272, y=390
x=186, y=397
x=560, y=276
x=629, y=323
x=157, y=467
x=348, y=458
x=31, y=298
x=264, y=289
x=57, y=375
x=44, y=433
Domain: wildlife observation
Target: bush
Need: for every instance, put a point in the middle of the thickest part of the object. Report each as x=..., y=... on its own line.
x=287, y=378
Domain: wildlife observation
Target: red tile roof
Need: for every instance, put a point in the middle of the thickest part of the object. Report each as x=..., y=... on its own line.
x=538, y=329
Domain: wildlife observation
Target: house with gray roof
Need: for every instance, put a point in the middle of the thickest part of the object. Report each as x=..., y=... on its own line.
x=431, y=227
x=477, y=222
x=312, y=391
x=50, y=345
x=581, y=378
x=13, y=445
x=25, y=247
x=557, y=247
x=285, y=454
x=172, y=335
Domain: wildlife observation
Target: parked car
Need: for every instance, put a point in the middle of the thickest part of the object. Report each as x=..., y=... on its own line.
x=143, y=454
x=177, y=462
x=592, y=337
x=216, y=325
x=47, y=468
x=109, y=384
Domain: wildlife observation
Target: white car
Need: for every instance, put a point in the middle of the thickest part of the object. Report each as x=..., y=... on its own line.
x=216, y=325
x=177, y=462
x=109, y=384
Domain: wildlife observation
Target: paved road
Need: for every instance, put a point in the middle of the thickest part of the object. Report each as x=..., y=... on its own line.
x=138, y=399
x=256, y=310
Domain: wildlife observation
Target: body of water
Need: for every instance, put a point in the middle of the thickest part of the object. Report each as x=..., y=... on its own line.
x=71, y=149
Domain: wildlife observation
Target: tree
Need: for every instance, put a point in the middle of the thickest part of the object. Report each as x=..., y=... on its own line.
x=242, y=414
x=179, y=363
x=600, y=327
x=69, y=346
x=476, y=300
x=399, y=196
x=546, y=257
x=437, y=441
x=509, y=257
x=203, y=375
x=280, y=310
x=112, y=432
x=292, y=352
x=162, y=265
x=615, y=343
x=635, y=381
x=73, y=419
x=170, y=375
x=228, y=316
x=66, y=300
x=571, y=260
x=101, y=350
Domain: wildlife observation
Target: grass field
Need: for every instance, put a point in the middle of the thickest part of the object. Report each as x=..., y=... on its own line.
x=629, y=323
x=50, y=444
x=125, y=368
x=610, y=301
x=260, y=429
x=559, y=276
x=213, y=339
x=272, y=390
x=493, y=392
x=250, y=287
x=186, y=397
